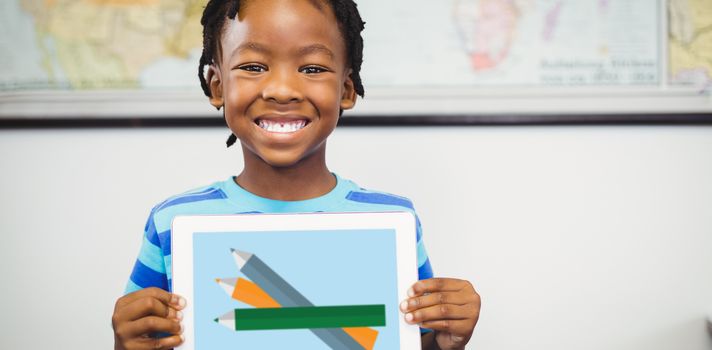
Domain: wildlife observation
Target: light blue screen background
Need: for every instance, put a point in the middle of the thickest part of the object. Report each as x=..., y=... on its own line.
x=344, y=267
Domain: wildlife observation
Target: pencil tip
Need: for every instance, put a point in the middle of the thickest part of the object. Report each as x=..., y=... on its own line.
x=240, y=257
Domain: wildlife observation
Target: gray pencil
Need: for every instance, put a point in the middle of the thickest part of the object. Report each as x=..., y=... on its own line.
x=287, y=296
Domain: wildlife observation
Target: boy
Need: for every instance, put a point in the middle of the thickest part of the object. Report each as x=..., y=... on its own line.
x=283, y=71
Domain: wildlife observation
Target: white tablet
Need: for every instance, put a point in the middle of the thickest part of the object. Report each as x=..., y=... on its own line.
x=295, y=281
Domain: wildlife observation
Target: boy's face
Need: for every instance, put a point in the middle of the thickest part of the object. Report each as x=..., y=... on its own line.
x=282, y=78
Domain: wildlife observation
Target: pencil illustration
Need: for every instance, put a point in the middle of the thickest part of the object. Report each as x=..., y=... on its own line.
x=304, y=317
x=280, y=306
x=251, y=294
x=255, y=269
x=247, y=292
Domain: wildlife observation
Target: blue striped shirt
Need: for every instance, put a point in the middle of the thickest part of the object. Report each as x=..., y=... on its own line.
x=153, y=266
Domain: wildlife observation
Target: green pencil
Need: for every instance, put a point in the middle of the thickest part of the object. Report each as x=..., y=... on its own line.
x=304, y=317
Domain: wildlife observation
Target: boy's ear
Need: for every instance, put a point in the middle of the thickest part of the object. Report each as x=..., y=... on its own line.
x=348, y=97
x=215, y=84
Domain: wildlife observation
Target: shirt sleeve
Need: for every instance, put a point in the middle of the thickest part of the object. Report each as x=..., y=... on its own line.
x=425, y=271
x=149, y=269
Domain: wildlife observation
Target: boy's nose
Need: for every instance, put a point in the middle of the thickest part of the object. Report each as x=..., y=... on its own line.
x=282, y=87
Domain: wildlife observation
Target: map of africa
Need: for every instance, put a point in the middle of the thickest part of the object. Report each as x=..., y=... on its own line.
x=155, y=44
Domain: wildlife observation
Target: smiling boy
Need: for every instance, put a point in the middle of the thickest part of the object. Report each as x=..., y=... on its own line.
x=282, y=71
x=277, y=72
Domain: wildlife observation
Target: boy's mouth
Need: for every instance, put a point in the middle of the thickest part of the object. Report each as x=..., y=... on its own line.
x=282, y=126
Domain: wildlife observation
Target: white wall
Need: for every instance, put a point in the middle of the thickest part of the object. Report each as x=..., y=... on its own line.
x=576, y=237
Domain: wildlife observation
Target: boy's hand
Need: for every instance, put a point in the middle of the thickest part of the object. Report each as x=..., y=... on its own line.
x=448, y=306
x=141, y=314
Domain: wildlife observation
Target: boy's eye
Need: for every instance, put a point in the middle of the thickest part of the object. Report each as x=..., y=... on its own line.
x=253, y=68
x=313, y=69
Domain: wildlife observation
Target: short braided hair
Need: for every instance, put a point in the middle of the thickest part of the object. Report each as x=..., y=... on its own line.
x=347, y=16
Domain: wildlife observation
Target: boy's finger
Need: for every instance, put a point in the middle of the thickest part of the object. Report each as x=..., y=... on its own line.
x=437, y=298
x=174, y=314
x=144, y=307
x=152, y=292
x=455, y=327
x=437, y=285
x=149, y=325
x=440, y=312
x=155, y=343
x=170, y=342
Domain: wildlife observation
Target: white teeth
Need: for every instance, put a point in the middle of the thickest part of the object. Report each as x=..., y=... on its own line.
x=282, y=127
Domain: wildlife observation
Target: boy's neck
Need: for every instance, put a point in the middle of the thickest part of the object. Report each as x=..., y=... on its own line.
x=306, y=180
